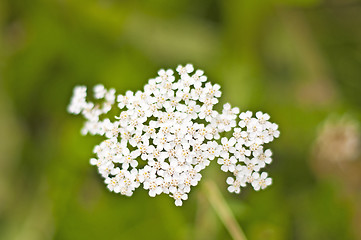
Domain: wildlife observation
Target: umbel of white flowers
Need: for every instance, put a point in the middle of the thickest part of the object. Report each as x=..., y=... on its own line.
x=168, y=133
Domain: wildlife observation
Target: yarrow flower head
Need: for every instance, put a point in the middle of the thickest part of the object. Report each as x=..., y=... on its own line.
x=165, y=135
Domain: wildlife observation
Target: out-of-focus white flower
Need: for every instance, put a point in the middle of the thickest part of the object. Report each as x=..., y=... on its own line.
x=170, y=129
x=338, y=140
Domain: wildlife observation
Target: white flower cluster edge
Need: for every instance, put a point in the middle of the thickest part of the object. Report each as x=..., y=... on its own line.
x=165, y=135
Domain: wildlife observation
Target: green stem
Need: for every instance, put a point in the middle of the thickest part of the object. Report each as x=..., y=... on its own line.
x=223, y=211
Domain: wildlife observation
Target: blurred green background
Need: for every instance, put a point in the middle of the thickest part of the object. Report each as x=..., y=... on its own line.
x=298, y=60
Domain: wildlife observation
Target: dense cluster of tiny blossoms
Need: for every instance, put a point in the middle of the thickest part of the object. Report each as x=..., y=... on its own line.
x=165, y=135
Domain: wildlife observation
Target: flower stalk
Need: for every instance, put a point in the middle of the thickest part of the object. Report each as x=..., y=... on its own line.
x=223, y=211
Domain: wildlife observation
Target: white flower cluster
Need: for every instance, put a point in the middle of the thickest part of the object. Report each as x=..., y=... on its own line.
x=248, y=155
x=167, y=134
